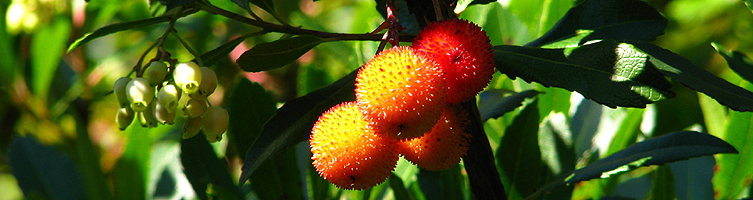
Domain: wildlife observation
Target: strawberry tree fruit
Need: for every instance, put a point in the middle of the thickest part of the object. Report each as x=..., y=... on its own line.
x=464, y=52
x=346, y=150
x=443, y=146
x=401, y=92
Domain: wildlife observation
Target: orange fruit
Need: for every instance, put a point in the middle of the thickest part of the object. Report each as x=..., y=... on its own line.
x=347, y=152
x=401, y=92
x=464, y=52
x=443, y=146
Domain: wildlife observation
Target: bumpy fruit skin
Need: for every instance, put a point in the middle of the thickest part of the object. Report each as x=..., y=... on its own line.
x=214, y=123
x=347, y=152
x=401, y=93
x=187, y=77
x=443, y=146
x=140, y=94
x=464, y=52
x=208, y=84
x=119, y=89
x=157, y=72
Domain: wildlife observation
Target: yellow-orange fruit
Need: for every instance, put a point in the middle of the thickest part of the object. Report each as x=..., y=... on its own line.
x=443, y=146
x=464, y=52
x=401, y=93
x=347, y=152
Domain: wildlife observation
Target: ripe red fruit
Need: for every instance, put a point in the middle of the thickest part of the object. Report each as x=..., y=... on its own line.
x=443, y=146
x=464, y=52
x=401, y=92
x=347, y=152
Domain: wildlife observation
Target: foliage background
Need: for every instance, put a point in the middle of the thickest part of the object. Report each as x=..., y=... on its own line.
x=57, y=121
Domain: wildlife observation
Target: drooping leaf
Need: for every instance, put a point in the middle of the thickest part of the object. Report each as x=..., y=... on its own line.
x=114, y=28
x=250, y=107
x=734, y=173
x=276, y=54
x=619, y=20
x=610, y=73
x=215, y=55
x=293, y=122
x=208, y=174
x=738, y=62
x=655, y=151
x=48, y=46
x=682, y=70
x=522, y=169
x=493, y=104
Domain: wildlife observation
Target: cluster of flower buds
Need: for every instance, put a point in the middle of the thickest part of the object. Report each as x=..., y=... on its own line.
x=154, y=99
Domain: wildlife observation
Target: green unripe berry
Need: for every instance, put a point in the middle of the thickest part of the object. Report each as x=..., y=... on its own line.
x=157, y=72
x=215, y=122
x=191, y=127
x=194, y=108
x=162, y=114
x=140, y=94
x=119, y=89
x=208, y=84
x=168, y=96
x=125, y=117
x=187, y=76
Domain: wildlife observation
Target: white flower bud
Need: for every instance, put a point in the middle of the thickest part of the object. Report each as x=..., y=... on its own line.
x=168, y=96
x=194, y=108
x=125, y=117
x=208, y=84
x=187, y=76
x=140, y=94
x=215, y=122
x=191, y=127
x=119, y=89
x=156, y=72
x=162, y=114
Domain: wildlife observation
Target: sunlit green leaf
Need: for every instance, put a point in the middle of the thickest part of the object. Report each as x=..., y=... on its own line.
x=132, y=170
x=114, y=28
x=610, y=73
x=628, y=131
x=608, y=19
x=276, y=54
x=682, y=70
x=293, y=122
x=398, y=188
x=734, y=173
x=48, y=46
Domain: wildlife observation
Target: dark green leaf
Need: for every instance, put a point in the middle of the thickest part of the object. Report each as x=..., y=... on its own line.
x=276, y=54
x=738, y=62
x=170, y=4
x=398, y=188
x=41, y=169
x=619, y=20
x=519, y=156
x=293, y=122
x=682, y=70
x=250, y=107
x=493, y=104
x=734, y=172
x=243, y=4
x=266, y=5
x=663, y=185
x=215, y=55
x=610, y=73
x=208, y=174
x=114, y=28
x=278, y=178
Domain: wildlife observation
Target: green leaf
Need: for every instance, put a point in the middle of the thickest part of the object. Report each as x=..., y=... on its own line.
x=663, y=185
x=266, y=5
x=445, y=184
x=738, y=62
x=132, y=170
x=215, y=55
x=610, y=73
x=40, y=169
x=209, y=176
x=734, y=173
x=521, y=167
x=114, y=28
x=628, y=131
x=250, y=107
x=620, y=20
x=682, y=70
x=398, y=188
x=493, y=103
x=276, y=54
x=278, y=178
x=293, y=122
x=47, y=47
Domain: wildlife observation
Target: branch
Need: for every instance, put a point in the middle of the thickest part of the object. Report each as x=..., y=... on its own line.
x=271, y=27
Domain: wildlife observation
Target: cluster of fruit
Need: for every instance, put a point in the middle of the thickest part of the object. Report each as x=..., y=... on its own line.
x=137, y=97
x=407, y=103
